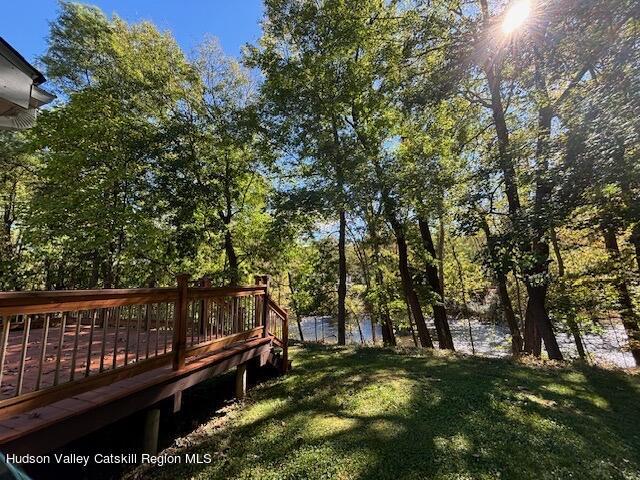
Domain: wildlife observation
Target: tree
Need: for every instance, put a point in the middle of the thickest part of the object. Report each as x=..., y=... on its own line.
x=95, y=205
x=213, y=173
x=601, y=178
x=307, y=103
x=16, y=175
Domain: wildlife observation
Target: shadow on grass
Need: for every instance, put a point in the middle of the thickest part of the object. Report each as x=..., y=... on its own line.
x=373, y=413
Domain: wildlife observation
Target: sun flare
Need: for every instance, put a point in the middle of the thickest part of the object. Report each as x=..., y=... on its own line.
x=516, y=15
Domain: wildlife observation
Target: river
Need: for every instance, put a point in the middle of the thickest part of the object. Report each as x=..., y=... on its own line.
x=489, y=339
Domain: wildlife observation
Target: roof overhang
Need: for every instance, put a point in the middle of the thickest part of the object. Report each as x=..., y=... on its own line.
x=12, y=55
x=20, y=94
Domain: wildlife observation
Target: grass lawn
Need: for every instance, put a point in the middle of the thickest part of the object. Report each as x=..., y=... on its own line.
x=354, y=413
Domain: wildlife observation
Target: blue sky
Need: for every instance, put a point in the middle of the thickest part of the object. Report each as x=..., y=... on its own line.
x=235, y=22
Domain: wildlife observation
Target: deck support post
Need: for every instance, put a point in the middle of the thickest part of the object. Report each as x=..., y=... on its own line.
x=177, y=401
x=241, y=381
x=151, y=431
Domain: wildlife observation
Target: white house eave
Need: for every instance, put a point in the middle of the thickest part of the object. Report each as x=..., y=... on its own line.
x=40, y=97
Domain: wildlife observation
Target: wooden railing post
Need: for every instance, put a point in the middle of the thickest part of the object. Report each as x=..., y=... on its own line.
x=263, y=280
x=180, y=322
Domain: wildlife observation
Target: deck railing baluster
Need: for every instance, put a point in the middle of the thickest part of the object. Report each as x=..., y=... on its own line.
x=75, y=345
x=189, y=323
x=116, y=333
x=243, y=309
x=138, y=325
x=128, y=325
x=225, y=317
x=215, y=320
x=23, y=355
x=105, y=330
x=166, y=325
x=43, y=350
x=6, y=327
x=87, y=369
x=63, y=327
x=157, y=325
x=147, y=327
x=195, y=323
x=252, y=311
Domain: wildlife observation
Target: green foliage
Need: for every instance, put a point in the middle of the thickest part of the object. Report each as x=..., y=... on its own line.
x=213, y=178
x=151, y=163
x=16, y=177
x=148, y=163
x=313, y=278
x=93, y=212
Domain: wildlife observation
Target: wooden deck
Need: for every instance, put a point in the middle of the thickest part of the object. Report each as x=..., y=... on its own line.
x=73, y=362
x=158, y=341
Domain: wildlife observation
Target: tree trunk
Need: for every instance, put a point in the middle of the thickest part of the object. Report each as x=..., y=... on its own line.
x=359, y=331
x=388, y=334
x=509, y=316
x=628, y=316
x=635, y=241
x=369, y=308
x=577, y=338
x=463, y=291
x=571, y=321
x=518, y=297
x=532, y=341
x=232, y=258
x=505, y=300
x=556, y=251
x=60, y=277
x=440, y=252
x=226, y=216
x=95, y=270
x=407, y=285
x=385, y=335
x=8, y=252
x=372, y=321
x=537, y=275
x=48, y=274
x=388, y=326
x=536, y=319
x=439, y=311
x=108, y=266
x=342, y=279
x=502, y=132
x=537, y=314
x=390, y=211
x=295, y=306
x=410, y=318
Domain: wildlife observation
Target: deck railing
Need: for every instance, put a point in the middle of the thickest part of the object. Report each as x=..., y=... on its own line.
x=278, y=326
x=59, y=343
